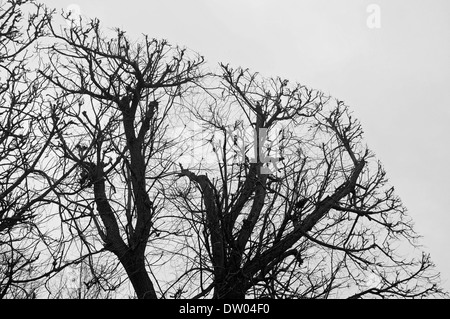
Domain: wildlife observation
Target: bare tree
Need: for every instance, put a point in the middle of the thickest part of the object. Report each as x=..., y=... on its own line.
x=22, y=149
x=287, y=202
x=114, y=98
x=125, y=161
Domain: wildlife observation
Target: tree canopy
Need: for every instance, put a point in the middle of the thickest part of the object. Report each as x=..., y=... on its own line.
x=130, y=169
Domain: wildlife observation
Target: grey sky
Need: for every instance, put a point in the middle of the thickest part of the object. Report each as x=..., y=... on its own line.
x=396, y=78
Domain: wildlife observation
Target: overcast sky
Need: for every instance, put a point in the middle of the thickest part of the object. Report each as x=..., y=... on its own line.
x=395, y=77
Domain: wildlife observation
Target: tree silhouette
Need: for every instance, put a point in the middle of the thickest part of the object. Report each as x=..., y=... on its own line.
x=315, y=223
x=132, y=163
x=22, y=149
x=115, y=98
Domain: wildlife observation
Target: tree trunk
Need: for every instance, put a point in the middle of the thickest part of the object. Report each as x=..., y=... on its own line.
x=231, y=288
x=135, y=268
